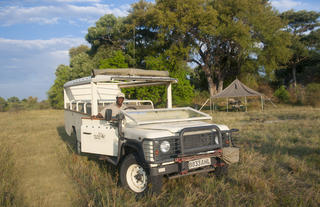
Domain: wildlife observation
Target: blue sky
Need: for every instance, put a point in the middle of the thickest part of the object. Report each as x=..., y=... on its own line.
x=35, y=37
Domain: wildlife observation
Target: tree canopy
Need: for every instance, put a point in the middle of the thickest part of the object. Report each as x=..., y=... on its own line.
x=303, y=27
x=225, y=38
x=210, y=42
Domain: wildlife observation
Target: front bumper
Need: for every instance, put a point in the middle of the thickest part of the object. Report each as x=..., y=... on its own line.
x=180, y=166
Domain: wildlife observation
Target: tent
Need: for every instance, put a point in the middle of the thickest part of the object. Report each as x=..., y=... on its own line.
x=234, y=90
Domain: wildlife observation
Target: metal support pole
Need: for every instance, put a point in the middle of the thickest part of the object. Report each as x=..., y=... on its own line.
x=94, y=99
x=261, y=103
x=245, y=103
x=66, y=98
x=169, y=96
x=210, y=105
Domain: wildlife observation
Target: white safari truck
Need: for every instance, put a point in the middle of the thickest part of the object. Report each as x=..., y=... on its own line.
x=145, y=144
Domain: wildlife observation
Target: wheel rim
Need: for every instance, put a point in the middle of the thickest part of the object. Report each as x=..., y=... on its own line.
x=136, y=178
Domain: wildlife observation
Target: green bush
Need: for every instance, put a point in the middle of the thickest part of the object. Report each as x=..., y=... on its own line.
x=282, y=94
x=312, y=94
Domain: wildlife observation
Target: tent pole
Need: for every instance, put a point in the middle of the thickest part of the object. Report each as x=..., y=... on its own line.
x=227, y=104
x=204, y=104
x=213, y=106
x=261, y=103
x=271, y=102
x=245, y=103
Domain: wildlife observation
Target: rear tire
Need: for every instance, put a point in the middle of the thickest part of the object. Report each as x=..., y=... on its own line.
x=78, y=146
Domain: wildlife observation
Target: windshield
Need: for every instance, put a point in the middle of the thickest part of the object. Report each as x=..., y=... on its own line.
x=165, y=115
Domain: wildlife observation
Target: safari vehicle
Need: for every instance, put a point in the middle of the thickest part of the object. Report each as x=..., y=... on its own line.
x=146, y=144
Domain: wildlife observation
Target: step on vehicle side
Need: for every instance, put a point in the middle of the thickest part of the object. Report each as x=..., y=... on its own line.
x=145, y=144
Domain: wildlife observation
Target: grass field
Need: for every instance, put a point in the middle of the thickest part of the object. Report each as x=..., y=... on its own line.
x=279, y=165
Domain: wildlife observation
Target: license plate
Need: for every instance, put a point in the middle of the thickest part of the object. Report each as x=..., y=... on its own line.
x=199, y=163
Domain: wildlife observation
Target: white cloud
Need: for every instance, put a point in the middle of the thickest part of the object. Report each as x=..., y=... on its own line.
x=60, y=53
x=27, y=67
x=42, y=20
x=50, y=44
x=11, y=15
x=284, y=5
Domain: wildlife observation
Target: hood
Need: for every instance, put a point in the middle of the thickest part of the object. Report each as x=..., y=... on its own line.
x=163, y=129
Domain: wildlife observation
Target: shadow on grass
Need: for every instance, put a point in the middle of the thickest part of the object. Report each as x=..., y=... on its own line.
x=294, y=116
x=72, y=148
x=69, y=140
x=296, y=151
x=310, y=155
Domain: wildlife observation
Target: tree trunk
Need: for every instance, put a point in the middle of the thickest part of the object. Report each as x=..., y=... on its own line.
x=220, y=86
x=211, y=85
x=294, y=69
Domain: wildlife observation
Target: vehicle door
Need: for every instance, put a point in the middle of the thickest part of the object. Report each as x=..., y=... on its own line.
x=99, y=137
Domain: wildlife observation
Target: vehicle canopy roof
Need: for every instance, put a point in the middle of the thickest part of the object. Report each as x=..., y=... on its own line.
x=126, y=77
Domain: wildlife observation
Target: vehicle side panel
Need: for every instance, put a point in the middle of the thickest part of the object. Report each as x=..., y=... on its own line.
x=73, y=119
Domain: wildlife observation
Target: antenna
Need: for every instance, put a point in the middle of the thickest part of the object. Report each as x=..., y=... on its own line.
x=134, y=42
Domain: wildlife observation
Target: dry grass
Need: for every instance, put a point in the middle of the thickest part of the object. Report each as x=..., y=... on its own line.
x=8, y=179
x=35, y=147
x=279, y=166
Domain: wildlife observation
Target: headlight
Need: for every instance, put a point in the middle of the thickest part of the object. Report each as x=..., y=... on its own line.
x=216, y=138
x=165, y=146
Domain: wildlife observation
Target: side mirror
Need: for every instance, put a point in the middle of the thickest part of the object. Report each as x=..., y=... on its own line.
x=108, y=115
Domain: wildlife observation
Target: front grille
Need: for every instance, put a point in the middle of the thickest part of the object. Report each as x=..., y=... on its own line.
x=198, y=140
x=190, y=141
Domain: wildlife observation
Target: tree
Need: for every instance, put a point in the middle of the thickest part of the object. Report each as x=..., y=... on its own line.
x=55, y=93
x=117, y=60
x=3, y=104
x=108, y=31
x=142, y=32
x=14, y=104
x=81, y=65
x=137, y=48
x=74, y=51
x=311, y=72
x=13, y=99
x=300, y=24
x=182, y=91
x=31, y=103
x=222, y=37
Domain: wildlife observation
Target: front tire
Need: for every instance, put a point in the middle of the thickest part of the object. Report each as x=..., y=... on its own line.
x=221, y=171
x=133, y=175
